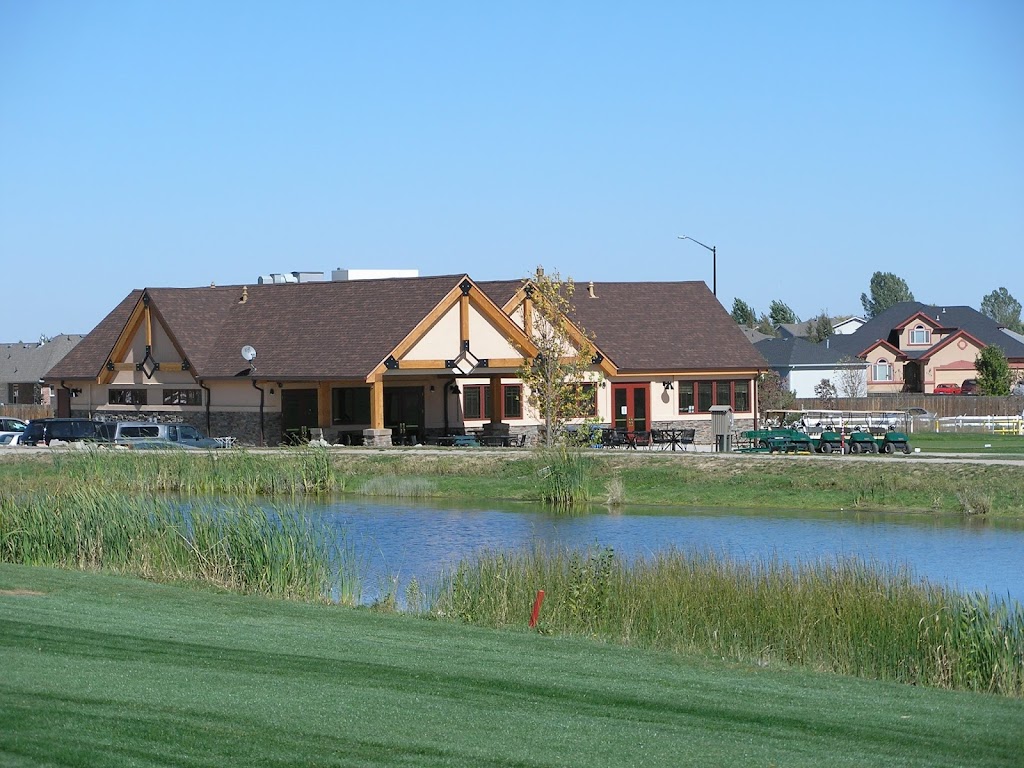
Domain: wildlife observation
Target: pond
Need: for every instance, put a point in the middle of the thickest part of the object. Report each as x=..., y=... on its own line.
x=401, y=540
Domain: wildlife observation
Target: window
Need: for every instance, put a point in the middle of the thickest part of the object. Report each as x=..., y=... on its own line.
x=476, y=401
x=723, y=393
x=183, y=397
x=881, y=371
x=590, y=397
x=513, y=401
x=350, y=405
x=741, y=396
x=921, y=335
x=126, y=397
x=699, y=396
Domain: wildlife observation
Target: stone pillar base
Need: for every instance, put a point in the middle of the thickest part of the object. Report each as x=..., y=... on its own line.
x=496, y=429
x=377, y=438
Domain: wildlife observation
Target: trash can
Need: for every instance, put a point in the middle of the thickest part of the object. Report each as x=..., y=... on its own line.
x=721, y=427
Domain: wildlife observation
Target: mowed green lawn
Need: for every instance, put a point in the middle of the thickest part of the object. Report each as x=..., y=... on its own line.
x=109, y=671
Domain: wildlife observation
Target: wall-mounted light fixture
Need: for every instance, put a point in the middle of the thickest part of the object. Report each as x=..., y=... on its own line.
x=667, y=385
x=455, y=389
x=431, y=387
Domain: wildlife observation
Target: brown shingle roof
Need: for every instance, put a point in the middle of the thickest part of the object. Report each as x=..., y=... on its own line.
x=656, y=326
x=343, y=330
x=332, y=329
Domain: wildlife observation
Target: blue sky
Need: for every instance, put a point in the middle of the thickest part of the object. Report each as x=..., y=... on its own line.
x=183, y=143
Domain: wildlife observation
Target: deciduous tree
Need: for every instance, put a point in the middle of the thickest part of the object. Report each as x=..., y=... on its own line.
x=825, y=391
x=886, y=289
x=994, y=374
x=555, y=378
x=771, y=394
x=852, y=377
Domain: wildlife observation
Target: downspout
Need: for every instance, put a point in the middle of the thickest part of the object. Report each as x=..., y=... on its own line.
x=207, y=389
x=263, y=440
x=68, y=390
x=447, y=394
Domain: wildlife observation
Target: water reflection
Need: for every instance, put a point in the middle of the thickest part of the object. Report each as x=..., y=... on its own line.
x=405, y=539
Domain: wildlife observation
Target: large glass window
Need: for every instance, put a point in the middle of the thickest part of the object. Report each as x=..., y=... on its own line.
x=126, y=396
x=513, y=401
x=882, y=371
x=350, y=405
x=699, y=396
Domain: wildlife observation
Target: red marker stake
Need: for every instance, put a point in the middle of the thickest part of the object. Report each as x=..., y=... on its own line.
x=536, y=608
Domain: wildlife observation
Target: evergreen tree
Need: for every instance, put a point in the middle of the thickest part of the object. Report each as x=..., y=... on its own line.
x=1004, y=309
x=781, y=314
x=743, y=313
x=821, y=328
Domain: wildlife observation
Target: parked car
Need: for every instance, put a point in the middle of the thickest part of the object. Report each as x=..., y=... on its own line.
x=969, y=387
x=946, y=389
x=1017, y=389
x=149, y=434
x=44, y=431
x=10, y=428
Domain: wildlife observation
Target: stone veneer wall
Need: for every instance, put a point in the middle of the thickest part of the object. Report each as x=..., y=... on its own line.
x=243, y=426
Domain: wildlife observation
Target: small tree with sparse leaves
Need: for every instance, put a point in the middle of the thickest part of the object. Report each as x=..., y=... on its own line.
x=851, y=373
x=554, y=379
x=826, y=393
x=772, y=395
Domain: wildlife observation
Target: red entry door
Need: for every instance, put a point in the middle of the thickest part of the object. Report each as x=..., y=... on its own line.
x=630, y=405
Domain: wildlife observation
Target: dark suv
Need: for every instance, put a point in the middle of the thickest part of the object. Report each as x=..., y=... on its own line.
x=969, y=387
x=68, y=430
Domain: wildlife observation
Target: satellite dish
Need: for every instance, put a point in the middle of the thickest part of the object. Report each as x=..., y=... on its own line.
x=248, y=353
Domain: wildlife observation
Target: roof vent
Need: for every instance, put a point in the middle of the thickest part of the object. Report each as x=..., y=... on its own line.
x=590, y=290
x=245, y=295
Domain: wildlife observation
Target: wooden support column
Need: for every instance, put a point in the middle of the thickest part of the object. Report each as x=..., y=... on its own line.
x=377, y=403
x=463, y=320
x=497, y=400
x=323, y=405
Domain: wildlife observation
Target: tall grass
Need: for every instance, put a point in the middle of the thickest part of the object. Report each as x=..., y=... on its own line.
x=565, y=474
x=306, y=470
x=846, y=616
x=240, y=547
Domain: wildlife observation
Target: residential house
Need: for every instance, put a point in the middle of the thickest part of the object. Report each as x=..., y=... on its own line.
x=22, y=367
x=400, y=359
x=802, y=365
x=911, y=347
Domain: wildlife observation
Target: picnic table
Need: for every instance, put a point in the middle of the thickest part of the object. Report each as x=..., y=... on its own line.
x=673, y=439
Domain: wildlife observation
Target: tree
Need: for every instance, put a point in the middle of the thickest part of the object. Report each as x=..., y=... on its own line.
x=852, y=377
x=1004, y=309
x=886, y=289
x=825, y=391
x=781, y=314
x=821, y=328
x=743, y=313
x=764, y=325
x=771, y=394
x=994, y=374
x=554, y=379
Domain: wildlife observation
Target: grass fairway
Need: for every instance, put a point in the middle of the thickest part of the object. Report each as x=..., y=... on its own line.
x=109, y=671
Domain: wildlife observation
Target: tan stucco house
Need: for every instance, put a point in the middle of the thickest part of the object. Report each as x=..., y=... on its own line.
x=400, y=359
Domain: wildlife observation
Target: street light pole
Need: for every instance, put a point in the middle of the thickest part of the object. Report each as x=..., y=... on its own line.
x=714, y=261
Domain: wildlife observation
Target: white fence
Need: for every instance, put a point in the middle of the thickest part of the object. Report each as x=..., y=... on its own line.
x=997, y=425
